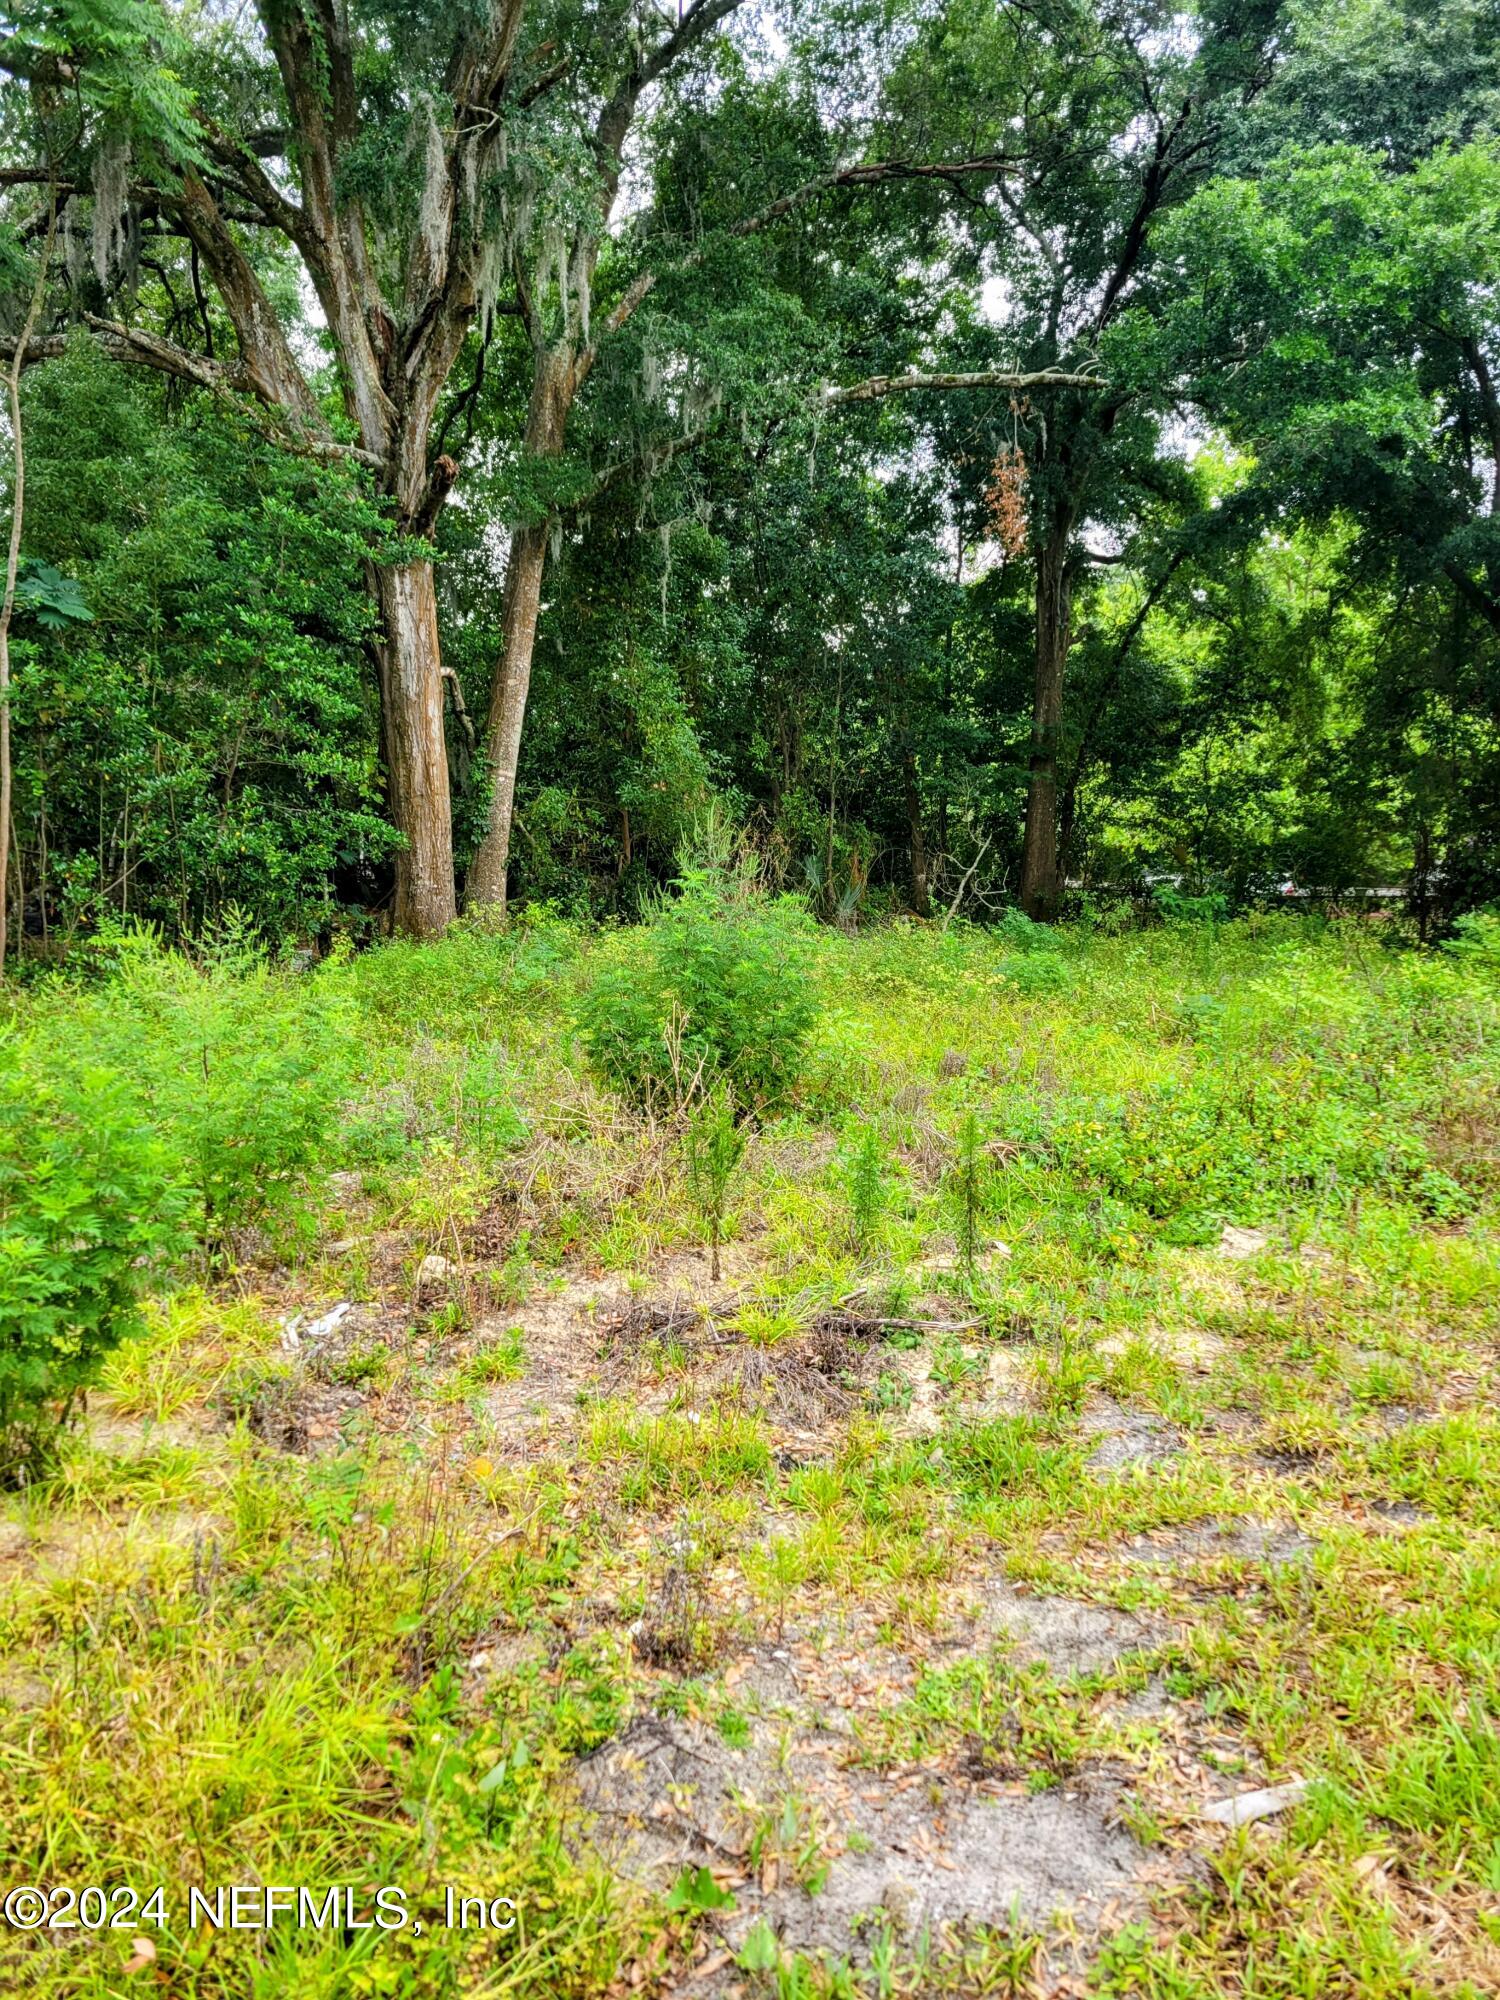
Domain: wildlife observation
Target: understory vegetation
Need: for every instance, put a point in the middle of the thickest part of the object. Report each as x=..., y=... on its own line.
x=1092, y=1420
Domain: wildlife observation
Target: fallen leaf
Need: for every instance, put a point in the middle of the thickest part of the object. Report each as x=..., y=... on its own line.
x=142, y=1954
x=1247, y=1806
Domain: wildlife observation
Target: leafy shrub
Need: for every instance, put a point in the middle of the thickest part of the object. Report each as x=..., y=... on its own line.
x=1038, y=971
x=1177, y=908
x=1022, y=933
x=90, y=1205
x=717, y=983
x=241, y=1066
x=1476, y=941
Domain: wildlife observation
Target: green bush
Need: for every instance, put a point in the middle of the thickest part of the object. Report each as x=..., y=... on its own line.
x=1038, y=972
x=718, y=983
x=1176, y=907
x=1476, y=941
x=242, y=1069
x=1022, y=933
x=90, y=1206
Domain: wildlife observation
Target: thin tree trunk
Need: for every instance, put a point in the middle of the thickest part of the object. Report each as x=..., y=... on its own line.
x=416, y=754
x=921, y=899
x=13, y=561
x=486, y=882
x=1041, y=886
x=554, y=385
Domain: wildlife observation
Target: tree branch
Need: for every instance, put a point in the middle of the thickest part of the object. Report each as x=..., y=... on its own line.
x=874, y=386
x=1473, y=593
x=656, y=456
x=872, y=173
x=270, y=369
x=251, y=180
x=148, y=350
x=480, y=68
x=650, y=460
x=699, y=20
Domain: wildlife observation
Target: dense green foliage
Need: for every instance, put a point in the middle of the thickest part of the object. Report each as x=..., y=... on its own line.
x=207, y=737
x=716, y=984
x=1267, y=231
x=90, y=1211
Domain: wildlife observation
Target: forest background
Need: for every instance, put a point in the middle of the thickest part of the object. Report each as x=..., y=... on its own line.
x=992, y=453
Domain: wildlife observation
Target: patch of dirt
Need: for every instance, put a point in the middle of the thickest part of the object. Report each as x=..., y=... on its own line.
x=502, y=1653
x=560, y=1357
x=828, y=1678
x=1004, y=1389
x=923, y=1414
x=296, y=1414
x=1148, y=1704
x=912, y=1849
x=767, y=1681
x=1242, y=1242
x=119, y=1436
x=1071, y=1635
x=1270, y=1542
x=1128, y=1438
x=23, y=1691
x=1401, y=1514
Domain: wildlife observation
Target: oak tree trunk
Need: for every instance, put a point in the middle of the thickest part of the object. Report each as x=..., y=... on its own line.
x=416, y=754
x=1041, y=885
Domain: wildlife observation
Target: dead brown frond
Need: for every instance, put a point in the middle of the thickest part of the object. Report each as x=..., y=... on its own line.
x=807, y=1377
x=1005, y=500
x=623, y=1336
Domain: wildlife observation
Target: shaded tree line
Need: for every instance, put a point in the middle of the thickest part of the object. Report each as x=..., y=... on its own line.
x=997, y=452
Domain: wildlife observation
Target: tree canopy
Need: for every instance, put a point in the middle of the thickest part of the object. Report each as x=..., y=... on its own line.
x=995, y=453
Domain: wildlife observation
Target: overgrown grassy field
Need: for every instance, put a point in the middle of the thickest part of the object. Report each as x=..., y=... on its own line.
x=1094, y=1420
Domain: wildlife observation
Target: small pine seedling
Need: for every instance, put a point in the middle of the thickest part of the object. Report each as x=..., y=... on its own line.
x=714, y=1145
x=965, y=1191
x=865, y=1186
